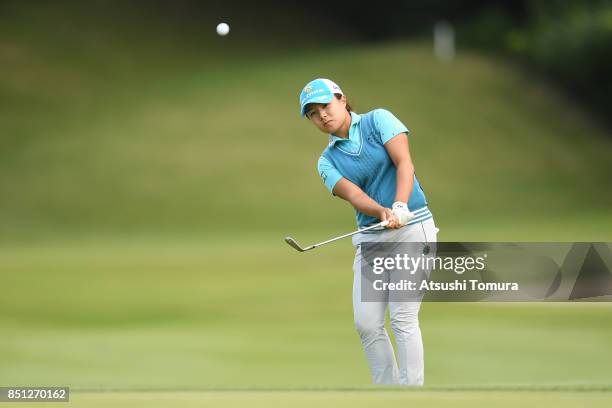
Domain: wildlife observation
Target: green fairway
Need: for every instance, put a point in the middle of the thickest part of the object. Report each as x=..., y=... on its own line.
x=147, y=181
x=202, y=314
x=347, y=399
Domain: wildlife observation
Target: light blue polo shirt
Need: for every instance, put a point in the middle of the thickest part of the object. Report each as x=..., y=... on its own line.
x=390, y=127
x=366, y=163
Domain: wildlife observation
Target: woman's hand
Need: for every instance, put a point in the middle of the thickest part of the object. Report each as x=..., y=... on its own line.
x=387, y=214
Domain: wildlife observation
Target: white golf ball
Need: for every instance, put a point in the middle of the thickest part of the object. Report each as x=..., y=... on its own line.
x=222, y=29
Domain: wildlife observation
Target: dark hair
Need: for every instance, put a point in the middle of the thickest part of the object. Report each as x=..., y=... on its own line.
x=348, y=105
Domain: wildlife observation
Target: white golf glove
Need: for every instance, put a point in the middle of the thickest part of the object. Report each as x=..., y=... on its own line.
x=402, y=213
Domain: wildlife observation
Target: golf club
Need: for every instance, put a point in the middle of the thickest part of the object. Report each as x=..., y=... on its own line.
x=297, y=246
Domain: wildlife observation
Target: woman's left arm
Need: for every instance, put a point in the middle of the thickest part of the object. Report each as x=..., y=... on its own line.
x=398, y=150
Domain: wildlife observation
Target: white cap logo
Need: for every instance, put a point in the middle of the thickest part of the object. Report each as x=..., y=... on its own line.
x=333, y=87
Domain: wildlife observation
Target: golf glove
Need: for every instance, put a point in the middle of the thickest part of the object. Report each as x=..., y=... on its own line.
x=402, y=213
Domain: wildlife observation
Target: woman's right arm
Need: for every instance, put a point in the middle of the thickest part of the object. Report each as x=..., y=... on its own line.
x=351, y=192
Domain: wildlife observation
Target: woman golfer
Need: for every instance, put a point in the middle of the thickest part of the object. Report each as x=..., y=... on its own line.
x=367, y=163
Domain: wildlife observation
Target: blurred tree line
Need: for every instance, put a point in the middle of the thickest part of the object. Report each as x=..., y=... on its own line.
x=568, y=41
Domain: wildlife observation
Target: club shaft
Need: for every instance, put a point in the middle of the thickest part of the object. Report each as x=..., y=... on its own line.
x=380, y=224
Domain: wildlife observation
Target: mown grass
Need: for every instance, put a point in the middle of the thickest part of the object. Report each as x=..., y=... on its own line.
x=123, y=137
x=198, y=314
x=146, y=183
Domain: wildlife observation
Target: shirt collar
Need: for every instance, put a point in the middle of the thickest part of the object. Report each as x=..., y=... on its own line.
x=355, y=119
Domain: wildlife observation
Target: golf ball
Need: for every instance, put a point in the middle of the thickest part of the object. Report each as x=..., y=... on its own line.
x=222, y=29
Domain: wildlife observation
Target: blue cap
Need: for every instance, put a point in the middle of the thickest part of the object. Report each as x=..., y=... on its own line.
x=319, y=90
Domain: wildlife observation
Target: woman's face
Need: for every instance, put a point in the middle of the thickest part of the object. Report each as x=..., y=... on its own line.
x=328, y=117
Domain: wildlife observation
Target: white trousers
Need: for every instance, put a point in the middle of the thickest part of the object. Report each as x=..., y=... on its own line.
x=370, y=316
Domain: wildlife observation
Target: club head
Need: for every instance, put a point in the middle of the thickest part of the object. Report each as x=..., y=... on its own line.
x=294, y=244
